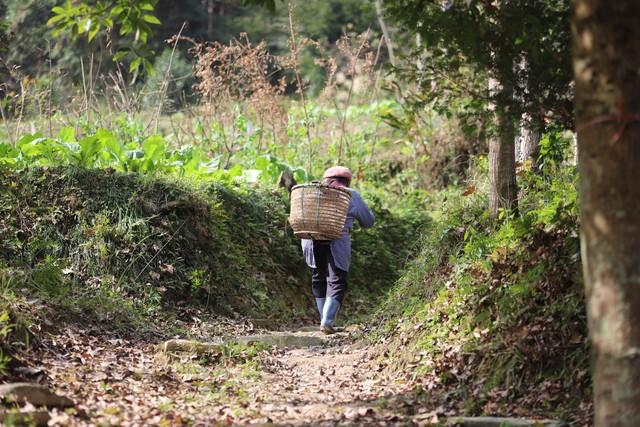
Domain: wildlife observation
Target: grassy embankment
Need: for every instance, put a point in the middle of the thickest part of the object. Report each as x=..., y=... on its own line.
x=489, y=318
x=127, y=249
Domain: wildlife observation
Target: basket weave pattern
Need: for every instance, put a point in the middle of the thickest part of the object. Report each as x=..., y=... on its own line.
x=318, y=211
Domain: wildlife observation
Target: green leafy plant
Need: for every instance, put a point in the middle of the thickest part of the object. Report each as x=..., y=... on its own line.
x=5, y=329
x=149, y=155
x=131, y=19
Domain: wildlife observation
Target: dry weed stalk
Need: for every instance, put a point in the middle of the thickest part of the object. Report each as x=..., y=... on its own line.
x=166, y=79
x=352, y=53
x=296, y=44
x=240, y=73
x=123, y=100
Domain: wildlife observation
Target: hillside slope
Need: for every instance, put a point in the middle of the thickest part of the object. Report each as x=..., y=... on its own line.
x=123, y=246
x=115, y=240
x=490, y=318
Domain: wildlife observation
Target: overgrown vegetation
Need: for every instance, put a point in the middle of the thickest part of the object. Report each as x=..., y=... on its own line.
x=492, y=314
x=118, y=243
x=133, y=199
x=124, y=247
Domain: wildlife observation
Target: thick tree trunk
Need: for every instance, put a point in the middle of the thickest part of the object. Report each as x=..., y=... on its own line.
x=606, y=61
x=503, y=191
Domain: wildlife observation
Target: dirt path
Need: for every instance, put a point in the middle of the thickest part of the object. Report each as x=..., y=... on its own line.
x=117, y=381
x=307, y=379
x=330, y=385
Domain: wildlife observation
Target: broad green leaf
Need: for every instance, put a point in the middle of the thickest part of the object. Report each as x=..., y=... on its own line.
x=235, y=171
x=251, y=175
x=55, y=19
x=148, y=67
x=116, y=10
x=67, y=134
x=135, y=64
x=120, y=55
x=89, y=148
x=94, y=32
x=28, y=138
x=151, y=19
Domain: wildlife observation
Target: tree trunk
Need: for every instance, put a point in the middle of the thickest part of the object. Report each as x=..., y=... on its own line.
x=528, y=141
x=210, y=10
x=503, y=191
x=606, y=38
x=385, y=32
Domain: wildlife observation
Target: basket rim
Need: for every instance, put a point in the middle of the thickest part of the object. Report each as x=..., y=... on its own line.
x=317, y=184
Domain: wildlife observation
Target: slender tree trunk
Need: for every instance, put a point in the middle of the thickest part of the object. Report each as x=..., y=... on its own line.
x=210, y=10
x=503, y=191
x=606, y=60
x=385, y=32
x=528, y=141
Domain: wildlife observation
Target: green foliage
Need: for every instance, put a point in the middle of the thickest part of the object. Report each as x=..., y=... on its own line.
x=149, y=155
x=493, y=302
x=5, y=330
x=554, y=149
x=130, y=19
x=524, y=46
x=122, y=247
x=269, y=4
x=95, y=29
x=22, y=35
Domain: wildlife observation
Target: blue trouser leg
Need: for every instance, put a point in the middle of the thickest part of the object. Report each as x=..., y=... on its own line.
x=320, y=304
x=328, y=283
x=331, y=307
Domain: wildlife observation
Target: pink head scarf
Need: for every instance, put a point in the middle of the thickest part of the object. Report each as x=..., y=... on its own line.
x=334, y=175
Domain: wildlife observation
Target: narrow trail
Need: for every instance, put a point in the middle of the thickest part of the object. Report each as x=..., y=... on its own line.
x=306, y=378
x=333, y=384
x=320, y=380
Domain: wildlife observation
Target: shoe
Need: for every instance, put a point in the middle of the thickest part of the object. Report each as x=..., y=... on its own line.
x=329, y=311
x=327, y=330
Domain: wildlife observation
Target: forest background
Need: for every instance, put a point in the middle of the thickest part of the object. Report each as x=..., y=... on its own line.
x=459, y=133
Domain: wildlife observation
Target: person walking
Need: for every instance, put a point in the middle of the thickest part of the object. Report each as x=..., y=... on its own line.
x=329, y=260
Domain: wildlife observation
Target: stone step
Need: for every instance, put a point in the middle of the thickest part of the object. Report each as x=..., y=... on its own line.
x=33, y=393
x=289, y=340
x=292, y=340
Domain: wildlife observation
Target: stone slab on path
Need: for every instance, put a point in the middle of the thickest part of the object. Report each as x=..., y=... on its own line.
x=191, y=346
x=501, y=422
x=293, y=340
x=285, y=339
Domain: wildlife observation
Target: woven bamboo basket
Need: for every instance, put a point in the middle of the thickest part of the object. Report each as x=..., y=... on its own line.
x=318, y=211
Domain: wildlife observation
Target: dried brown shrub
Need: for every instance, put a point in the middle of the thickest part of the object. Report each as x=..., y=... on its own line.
x=239, y=72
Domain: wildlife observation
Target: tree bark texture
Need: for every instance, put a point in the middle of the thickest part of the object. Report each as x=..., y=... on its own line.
x=503, y=191
x=606, y=60
x=528, y=141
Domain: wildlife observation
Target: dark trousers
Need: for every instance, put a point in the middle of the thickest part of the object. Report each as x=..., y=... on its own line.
x=327, y=280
